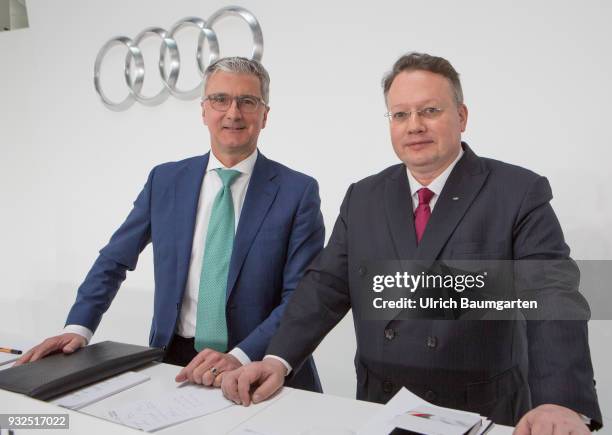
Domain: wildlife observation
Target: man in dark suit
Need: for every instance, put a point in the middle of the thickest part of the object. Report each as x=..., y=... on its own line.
x=442, y=203
x=232, y=233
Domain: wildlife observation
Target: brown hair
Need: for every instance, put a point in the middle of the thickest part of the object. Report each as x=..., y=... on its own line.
x=424, y=62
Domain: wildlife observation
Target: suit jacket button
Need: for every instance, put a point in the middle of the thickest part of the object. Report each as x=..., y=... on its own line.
x=432, y=342
x=362, y=270
x=430, y=396
x=389, y=334
x=387, y=386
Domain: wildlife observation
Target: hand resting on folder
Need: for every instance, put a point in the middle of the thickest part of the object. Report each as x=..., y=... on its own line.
x=66, y=343
x=57, y=374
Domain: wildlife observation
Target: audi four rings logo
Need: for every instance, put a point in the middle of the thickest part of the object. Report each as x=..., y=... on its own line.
x=169, y=59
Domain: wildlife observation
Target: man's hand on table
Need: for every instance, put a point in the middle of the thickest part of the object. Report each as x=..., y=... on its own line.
x=265, y=376
x=67, y=343
x=551, y=420
x=208, y=368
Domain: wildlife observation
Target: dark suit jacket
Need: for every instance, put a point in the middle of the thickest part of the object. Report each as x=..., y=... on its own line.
x=497, y=368
x=280, y=231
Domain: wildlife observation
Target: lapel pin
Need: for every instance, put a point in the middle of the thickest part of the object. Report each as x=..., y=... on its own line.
x=455, y=198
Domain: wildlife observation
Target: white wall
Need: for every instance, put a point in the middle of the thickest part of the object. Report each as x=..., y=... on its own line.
x=536, y=78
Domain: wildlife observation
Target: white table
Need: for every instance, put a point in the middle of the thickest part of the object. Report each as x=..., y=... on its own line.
x=11, y=403
x=290, y=412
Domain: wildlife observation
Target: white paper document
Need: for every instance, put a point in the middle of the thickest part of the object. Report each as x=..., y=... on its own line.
x=184, y=403
x=101, y=390
x=408, y=411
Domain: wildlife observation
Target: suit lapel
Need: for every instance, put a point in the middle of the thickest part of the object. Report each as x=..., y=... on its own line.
x=398, y=210
x=460, y=190
x=464, y=183
x=259, y=197
x=187, y=195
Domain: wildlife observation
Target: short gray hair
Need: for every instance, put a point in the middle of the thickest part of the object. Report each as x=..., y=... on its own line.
x=424, y=62
x=241, y=65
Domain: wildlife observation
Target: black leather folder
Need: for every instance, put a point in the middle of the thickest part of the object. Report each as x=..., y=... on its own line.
x=60, y=373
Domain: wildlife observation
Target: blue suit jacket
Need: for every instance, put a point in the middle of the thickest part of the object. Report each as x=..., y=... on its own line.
x=279, y=233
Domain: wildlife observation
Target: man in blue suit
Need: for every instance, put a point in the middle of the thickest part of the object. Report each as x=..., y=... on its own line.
x=232, y=233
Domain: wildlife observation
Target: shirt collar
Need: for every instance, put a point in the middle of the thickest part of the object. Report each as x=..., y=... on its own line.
x=437, y=183
x=245, y=166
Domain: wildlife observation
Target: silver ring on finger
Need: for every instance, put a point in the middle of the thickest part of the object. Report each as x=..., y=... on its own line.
x=214, y=371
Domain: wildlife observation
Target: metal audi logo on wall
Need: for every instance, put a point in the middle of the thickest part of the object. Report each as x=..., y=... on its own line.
x=169, y=59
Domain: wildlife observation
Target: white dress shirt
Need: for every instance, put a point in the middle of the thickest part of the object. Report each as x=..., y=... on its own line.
x=436, y=185
x=211, y=185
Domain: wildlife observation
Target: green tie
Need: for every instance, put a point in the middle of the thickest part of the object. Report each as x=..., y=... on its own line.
x=211, y=325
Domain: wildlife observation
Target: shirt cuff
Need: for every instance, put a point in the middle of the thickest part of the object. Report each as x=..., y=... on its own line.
x=586, y=420
x=240, y=356
x=80, y=330
x=285, y=363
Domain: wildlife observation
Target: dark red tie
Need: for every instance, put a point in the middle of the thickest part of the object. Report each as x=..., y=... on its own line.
x=422, y=212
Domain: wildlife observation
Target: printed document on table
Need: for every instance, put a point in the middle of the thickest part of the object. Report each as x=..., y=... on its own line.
x=408, y=411
x=101, y=390
x=185, y=403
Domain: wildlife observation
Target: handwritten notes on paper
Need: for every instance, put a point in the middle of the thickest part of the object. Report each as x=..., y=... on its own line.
x=184, y=403
x=101, y=390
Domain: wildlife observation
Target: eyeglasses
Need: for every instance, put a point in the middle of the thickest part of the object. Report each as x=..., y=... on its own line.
x=424, y=113
x=245, y=103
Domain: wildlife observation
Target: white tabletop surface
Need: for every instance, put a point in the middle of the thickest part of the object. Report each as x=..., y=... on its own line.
x=289, y=412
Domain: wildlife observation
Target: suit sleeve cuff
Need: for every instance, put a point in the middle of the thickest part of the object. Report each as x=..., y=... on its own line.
x=240, y=356
x=285, y=363
x=80, y=330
